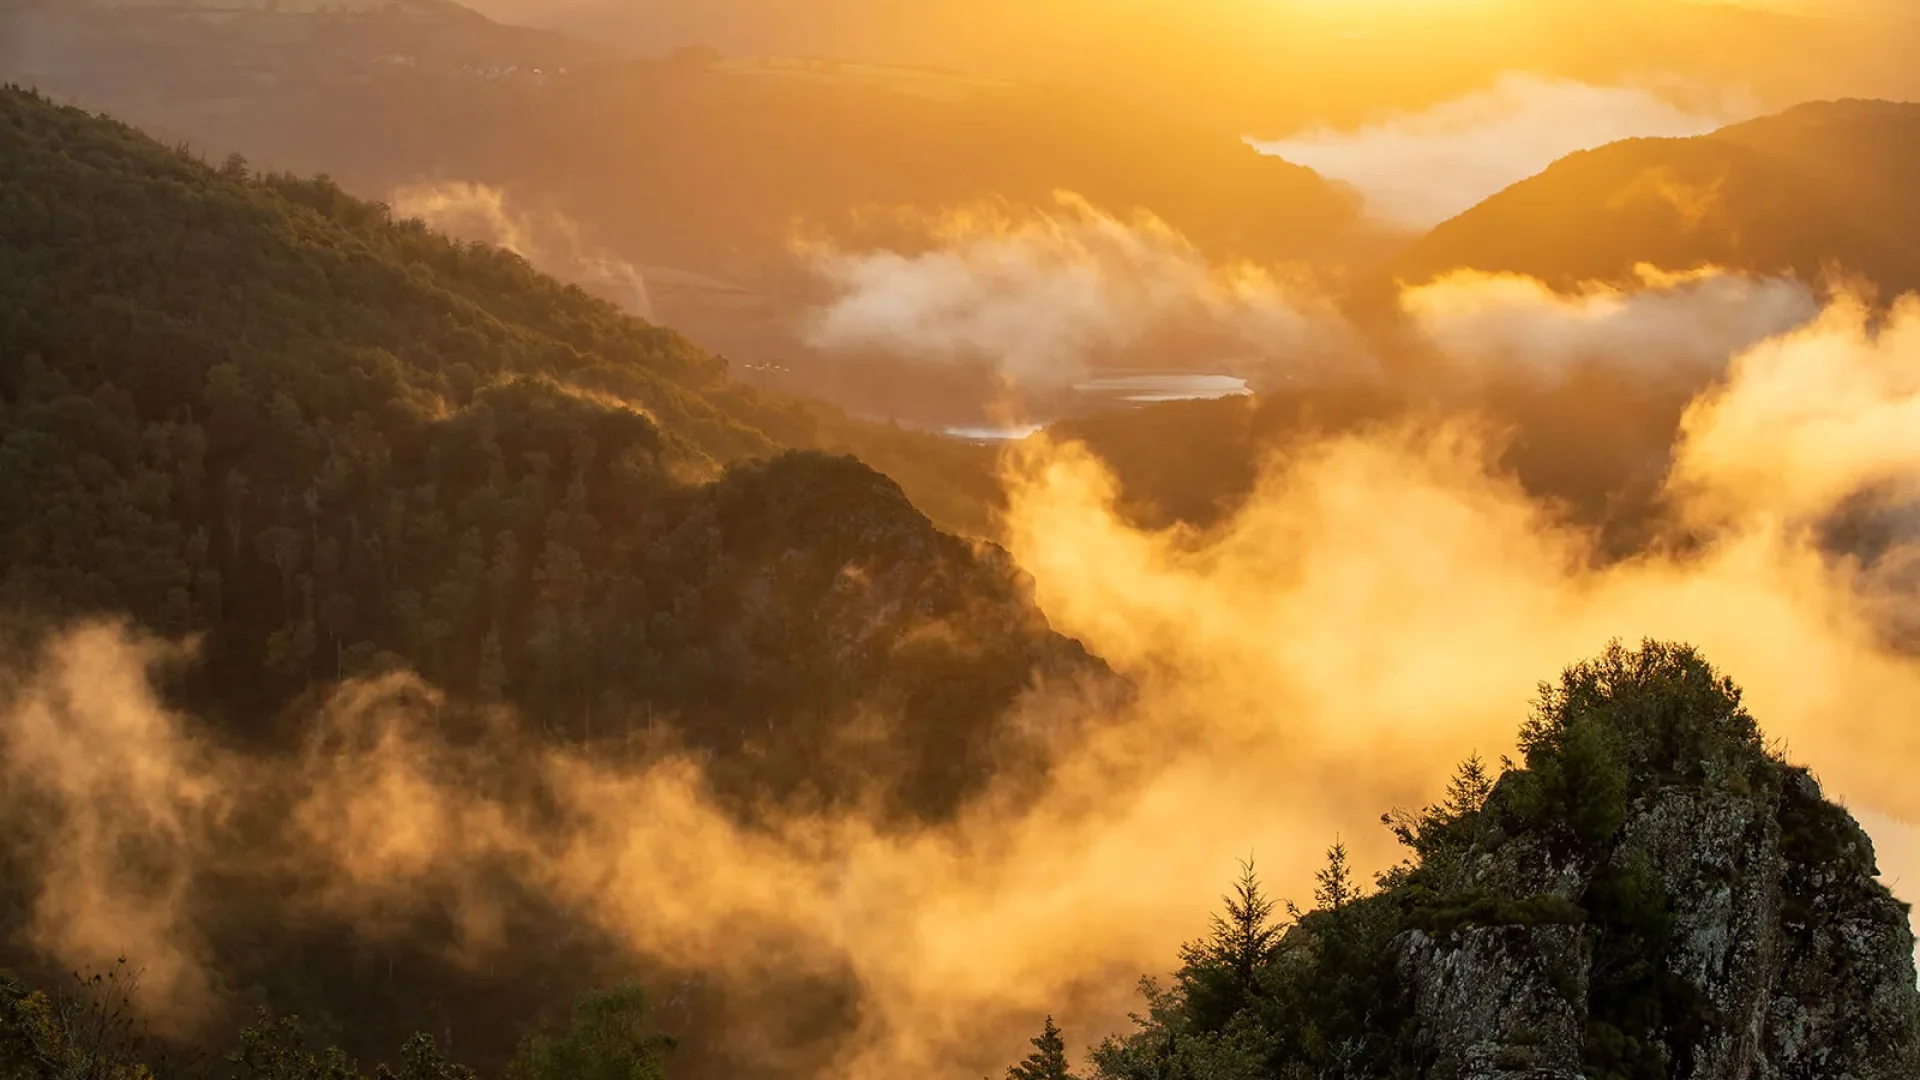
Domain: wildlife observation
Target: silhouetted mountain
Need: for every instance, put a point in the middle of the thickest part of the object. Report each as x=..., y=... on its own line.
x=1822, y=192
x=164, y=50
x=697, y=161
x=1820, y=187
x=1592, y=446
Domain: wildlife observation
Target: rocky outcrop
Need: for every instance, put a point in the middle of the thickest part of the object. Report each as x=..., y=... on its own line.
x=1772, y=951
x=1650, y=893
x=1528, y=1023
x=1843, y=1004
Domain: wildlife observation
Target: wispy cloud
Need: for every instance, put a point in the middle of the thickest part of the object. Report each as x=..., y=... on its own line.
x=1043, y=294
x=1672, y=324
x=550, y=241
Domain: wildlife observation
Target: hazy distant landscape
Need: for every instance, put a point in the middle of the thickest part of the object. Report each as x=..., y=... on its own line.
x=625, y=539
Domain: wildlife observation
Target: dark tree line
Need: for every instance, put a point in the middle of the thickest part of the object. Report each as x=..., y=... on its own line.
x=88, y=1029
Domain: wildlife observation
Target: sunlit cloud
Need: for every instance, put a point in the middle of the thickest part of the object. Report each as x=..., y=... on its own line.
x=1670, y=325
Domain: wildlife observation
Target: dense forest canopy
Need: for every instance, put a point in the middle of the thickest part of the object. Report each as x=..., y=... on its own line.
x=339, y=443
x=254, y=409
x=251, y=408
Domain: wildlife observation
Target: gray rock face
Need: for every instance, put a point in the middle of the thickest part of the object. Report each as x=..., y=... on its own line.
x=1778, y=932
x=1527, y=1024
x=1718, y=858
x=1843, y=1004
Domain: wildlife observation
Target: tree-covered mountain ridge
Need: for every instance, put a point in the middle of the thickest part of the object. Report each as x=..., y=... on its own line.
x=257, y=409
x=255, y=412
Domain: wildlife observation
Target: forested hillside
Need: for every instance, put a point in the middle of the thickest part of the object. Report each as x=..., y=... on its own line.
x=256, y=408
x=250, y=411
x=253, y=410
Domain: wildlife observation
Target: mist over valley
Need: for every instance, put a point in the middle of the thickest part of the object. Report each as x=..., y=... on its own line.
x=1225, y=541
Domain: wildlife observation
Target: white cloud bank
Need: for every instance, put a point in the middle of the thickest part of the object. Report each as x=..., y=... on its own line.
x=1671, y=324
x=1048, y=299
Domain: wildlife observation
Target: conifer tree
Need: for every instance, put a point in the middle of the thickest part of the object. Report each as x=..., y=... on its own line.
x=1468, y=790
x=1221, y=971
x=1048, y=1060
x=1245, y=934
x=1334, y=886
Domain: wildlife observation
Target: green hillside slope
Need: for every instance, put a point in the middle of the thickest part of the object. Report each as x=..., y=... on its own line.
x=257, y=408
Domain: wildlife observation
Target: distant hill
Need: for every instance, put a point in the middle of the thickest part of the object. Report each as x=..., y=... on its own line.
x=1826, y=185
x=1820, y=187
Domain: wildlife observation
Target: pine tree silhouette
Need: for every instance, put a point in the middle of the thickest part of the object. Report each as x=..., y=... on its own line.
x=1048, y=1060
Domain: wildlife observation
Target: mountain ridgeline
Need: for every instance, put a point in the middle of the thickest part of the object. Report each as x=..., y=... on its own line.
x=1822, y=188
x=697, y=169
x=253, y=410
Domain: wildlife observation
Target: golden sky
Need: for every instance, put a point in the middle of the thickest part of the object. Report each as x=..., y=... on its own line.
x=1270, y=65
